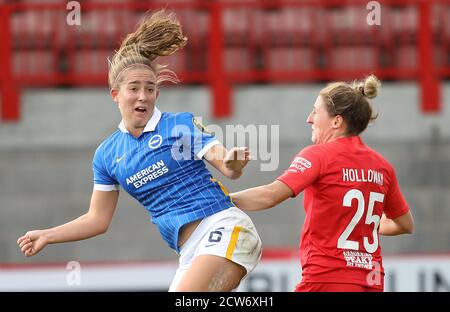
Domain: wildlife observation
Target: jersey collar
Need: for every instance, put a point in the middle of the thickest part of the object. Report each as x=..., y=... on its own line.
x=151, y=124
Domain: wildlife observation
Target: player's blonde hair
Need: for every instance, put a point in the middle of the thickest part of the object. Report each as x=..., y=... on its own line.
x=351, y=102
x=159, y=34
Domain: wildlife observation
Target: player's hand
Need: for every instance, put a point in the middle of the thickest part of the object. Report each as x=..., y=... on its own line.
x=237, y=158
x=32, y=242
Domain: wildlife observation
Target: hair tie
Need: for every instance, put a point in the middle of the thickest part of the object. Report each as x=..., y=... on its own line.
x=361, y=89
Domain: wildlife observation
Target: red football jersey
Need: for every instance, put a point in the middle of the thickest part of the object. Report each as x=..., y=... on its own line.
x=347, y=188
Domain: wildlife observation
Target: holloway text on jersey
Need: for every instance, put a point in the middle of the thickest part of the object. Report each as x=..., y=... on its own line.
x=148, y=174
x=362, y=175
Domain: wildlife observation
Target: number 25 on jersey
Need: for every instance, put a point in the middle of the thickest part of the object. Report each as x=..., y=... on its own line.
x=343, y=241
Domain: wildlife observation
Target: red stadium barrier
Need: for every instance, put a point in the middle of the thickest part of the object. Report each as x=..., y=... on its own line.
x=230, y=42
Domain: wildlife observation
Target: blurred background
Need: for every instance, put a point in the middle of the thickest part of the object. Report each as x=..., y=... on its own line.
x=255, y=63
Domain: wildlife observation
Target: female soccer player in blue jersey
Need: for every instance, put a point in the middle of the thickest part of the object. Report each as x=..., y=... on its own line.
x=157, y=158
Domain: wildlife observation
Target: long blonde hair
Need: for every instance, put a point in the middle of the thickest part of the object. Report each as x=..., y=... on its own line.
x=159, y=34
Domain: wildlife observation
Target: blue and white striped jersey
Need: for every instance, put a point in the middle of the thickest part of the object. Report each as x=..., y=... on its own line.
x=163, y=169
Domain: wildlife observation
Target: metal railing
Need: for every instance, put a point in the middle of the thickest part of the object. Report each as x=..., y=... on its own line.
x=232, y=42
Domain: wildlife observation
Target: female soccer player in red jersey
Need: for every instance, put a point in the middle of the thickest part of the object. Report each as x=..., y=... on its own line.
x=351, y=194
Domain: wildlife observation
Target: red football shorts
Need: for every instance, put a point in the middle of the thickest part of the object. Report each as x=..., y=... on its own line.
x=334, y=287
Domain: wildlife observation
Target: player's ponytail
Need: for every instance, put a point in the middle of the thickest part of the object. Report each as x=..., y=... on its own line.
x=159, y=34
x=368, y=88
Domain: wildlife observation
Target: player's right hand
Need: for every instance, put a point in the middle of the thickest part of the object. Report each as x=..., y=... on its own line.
x=32, y=242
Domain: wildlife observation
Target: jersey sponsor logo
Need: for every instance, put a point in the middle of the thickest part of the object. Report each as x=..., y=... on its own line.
x=155, y=141
x=300, y=164
x=201, y=127
x=358, y=259
x=148, y=174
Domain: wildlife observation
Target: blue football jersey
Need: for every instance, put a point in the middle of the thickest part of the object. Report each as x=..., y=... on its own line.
x=163, y=169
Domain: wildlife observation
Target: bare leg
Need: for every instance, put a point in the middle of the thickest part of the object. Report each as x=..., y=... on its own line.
x=212, y=273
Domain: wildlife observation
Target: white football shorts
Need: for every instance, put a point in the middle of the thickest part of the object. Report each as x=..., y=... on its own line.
x=230, y=234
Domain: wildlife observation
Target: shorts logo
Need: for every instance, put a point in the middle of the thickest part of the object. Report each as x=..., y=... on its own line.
x=155, y=141
x=215, y=236
x=300, y=164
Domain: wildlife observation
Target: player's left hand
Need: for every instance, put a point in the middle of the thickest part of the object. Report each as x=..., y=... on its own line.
x=237, y=158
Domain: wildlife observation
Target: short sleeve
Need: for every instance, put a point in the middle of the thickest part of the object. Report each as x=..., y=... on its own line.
x=303, y=171
x=102, y=179
x=395, y=204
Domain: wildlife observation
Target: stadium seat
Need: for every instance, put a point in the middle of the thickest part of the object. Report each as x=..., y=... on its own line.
x=348, y=25
x=44, y=1
x=290, y=59
x=33, y=62
x=403, y=24
x=177, y=62
x=291, y=26
x=36, y=28
x=195, y=23
x=91, y=62
x=407, y=57
x=238, y=60
x=101, y=29
x=353, y=58
x=241, y=26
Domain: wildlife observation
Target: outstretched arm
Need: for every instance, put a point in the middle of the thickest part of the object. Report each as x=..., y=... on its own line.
x=96, y=221
x=262, y=197
x=400, y=225
x=229, y=163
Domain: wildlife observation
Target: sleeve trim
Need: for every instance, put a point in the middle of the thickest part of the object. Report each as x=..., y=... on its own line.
x=106, y=188
x=206, y=148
